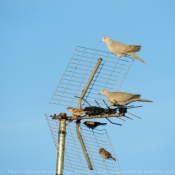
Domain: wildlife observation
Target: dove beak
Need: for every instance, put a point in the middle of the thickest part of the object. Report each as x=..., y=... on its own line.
x=100, y=40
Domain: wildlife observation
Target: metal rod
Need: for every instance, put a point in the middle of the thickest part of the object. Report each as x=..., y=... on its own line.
x=61, y=147
x=84, y=100
x=113, y=122
x=80, y=107
x=134, y=115
x=82, y=145
x=128, y=117
x=89, y=82
x=106, y=104
x=121, y=119
x=97, y=103
x=118, y=115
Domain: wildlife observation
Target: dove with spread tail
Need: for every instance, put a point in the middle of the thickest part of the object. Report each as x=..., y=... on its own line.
x=105, y=154
x=93, y=125
x=121, y=49
x=122, y=98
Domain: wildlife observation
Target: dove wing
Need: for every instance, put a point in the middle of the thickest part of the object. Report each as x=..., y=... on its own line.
x=120, y=96
x=117, y=47
x=133, y=100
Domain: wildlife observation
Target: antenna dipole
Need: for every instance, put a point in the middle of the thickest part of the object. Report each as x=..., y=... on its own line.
x=84, y=78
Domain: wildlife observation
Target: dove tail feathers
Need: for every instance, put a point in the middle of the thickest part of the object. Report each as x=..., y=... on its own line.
x=144, y=100
x=136, y=57
x=136, y=96
x=135, y=48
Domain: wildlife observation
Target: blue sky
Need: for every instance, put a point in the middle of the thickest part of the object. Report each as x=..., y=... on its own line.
x=37, y=39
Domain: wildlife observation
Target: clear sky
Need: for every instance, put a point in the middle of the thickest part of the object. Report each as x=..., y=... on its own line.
x=37, y=39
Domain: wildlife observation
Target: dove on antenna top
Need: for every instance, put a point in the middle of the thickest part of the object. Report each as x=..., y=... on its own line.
x=121, y=49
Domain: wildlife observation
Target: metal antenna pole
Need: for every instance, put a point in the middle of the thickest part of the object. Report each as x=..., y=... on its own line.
x=84, y=72
x=89, y=82
x=61, y=147
x=82, y=145
x=80, y=106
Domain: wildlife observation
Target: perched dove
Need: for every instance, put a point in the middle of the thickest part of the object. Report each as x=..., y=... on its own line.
x=93, y=125
x=121, y=49
x=76, y=111
x=105, y=154
x=122, y=98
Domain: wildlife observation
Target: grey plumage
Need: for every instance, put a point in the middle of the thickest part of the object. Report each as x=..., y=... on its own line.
x=122, y=98
x=121, y=49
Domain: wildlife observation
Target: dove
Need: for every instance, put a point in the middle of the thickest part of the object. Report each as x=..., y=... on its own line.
x=105, y=154
x=93, y=125
x=121, y=49
x=122, y=98
x=76, y=111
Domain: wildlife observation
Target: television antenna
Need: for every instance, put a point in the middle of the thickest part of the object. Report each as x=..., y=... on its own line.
x=88, y=72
